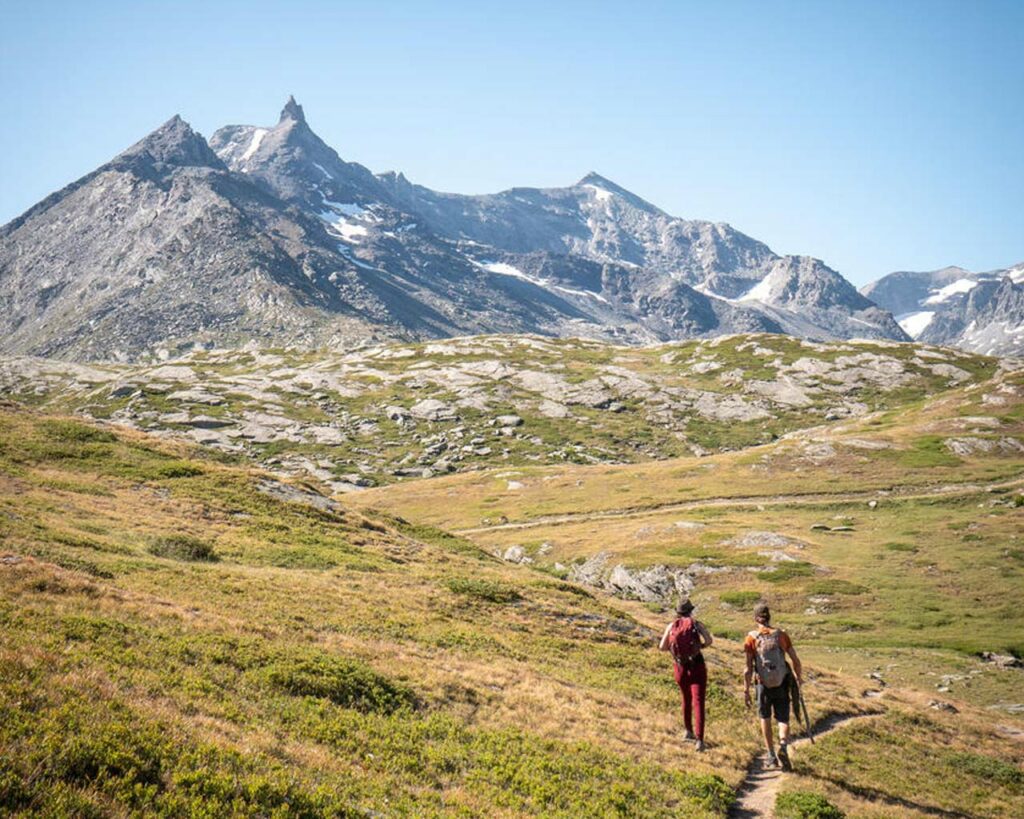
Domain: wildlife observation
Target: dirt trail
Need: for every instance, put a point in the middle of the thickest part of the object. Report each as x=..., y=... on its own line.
x=761, y=786
x=753, y=500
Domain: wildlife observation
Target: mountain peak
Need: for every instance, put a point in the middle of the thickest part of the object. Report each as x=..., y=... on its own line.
x=175, y=143
x=292, y=110
x=594, y=178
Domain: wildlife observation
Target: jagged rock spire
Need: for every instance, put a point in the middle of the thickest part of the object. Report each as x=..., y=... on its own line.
x=292, y=110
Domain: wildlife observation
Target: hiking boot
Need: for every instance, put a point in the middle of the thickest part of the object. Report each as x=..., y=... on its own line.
x=699, y=748
x=784, y=758
x=772, y=760
x=688, y=736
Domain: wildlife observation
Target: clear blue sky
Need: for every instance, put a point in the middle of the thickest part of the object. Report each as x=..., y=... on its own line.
x=875, y=135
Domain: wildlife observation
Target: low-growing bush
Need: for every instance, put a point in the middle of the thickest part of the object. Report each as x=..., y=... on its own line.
x=786, y=571
x=740, y=599
x=183, y=547
x=805, y=805
x=75, y=432
x=177, y=469
x=986, y=767
x=483, y=590
x=345, y=682
x=900, y=547
x=85, y=566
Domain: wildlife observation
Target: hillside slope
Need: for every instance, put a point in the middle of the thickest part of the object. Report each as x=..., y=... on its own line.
x=185, y=636
x=188, y=638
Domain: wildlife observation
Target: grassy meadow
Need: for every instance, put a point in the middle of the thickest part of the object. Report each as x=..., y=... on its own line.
x=188, y=634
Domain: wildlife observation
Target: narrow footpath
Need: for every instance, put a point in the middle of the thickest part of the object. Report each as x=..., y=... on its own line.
x=761, y=785
x=809, y=498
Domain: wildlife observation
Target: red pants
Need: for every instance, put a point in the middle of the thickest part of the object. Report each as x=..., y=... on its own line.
x=692, y=680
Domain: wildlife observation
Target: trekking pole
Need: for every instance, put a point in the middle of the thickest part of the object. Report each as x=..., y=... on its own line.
x=801, y=709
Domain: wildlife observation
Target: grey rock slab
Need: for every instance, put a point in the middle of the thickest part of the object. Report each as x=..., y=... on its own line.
x=431, y=409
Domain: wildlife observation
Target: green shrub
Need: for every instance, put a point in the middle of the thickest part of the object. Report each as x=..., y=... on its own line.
x=182, y=547
x=740, y=599
x=344, y=682
x=928, y=451
x=900, y=547
x=85, y=566
x=483, y=590
x=178, y=469
x=986, y=767
x=75, y=432
x=805, y=805
x=786, y=571
x=437, y=537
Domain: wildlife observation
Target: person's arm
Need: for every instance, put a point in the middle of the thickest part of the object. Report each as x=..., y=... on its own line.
x=748, y=675
x=663, y=645
x=797, y=667
x=705, y=636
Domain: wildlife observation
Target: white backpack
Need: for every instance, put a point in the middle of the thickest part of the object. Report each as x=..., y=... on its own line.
x=770, y=659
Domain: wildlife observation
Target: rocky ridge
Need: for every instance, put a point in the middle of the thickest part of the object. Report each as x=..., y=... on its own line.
x=981, y=312
x=266, y=233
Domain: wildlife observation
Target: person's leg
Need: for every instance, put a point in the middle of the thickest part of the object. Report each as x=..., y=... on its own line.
x=782, y=713
x=782, y=717
x=766, y=730
x=684, y=689
x=688, y=706
x=764, y=710
x=699, y=694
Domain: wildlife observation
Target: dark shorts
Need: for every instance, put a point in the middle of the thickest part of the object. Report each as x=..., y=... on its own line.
x=774, y=699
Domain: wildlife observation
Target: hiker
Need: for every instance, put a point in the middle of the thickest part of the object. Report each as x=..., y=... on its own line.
x=766, y=648
x=685, y=637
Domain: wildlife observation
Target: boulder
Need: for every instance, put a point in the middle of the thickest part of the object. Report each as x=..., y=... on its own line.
x=430, y=409
x=516, y=554
x=1002, y=660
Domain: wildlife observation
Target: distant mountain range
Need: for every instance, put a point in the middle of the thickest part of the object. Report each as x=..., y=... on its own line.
x=266, y=234
x=980, y=312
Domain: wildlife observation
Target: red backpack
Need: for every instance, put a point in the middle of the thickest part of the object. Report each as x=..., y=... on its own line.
x=684, y=640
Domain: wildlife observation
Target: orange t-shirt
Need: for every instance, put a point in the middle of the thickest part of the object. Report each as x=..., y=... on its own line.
x=750, y=644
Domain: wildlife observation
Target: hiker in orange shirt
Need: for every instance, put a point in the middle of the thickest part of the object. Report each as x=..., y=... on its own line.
x=766, y=649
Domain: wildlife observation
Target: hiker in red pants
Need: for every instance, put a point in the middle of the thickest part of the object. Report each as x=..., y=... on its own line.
x=685, y=637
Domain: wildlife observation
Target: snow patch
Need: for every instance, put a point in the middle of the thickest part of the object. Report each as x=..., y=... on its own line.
x=345, y=208
x=915, y=323
x=337, y=217
x=759, y=292
x=950, y=290
x=503, y=269
x=254, y=146
x=323, y=170
x=600, y=193
x=348, y=231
